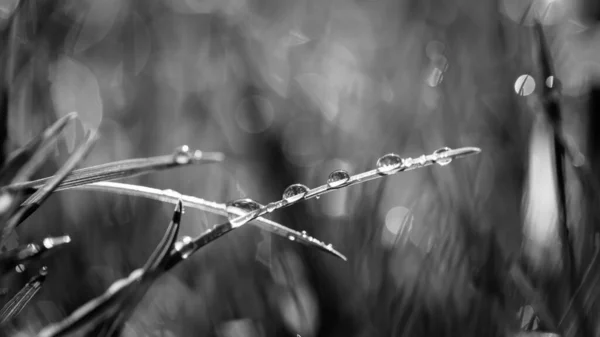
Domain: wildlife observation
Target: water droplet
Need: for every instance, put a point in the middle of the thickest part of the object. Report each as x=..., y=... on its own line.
x=291, y=238
x=235, y=207
x=389, y=164
x=183, y=155
x=294, y=192
x=337, y=178
x=443, y=161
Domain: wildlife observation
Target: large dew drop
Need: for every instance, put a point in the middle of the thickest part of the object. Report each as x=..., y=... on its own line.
x=182, y=155
x=337, y=178
x=389, y=164
x=240, y=207
x=443, y=161
x=294, y=193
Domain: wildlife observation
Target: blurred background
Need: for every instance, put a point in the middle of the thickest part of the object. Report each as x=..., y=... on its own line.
x=290, y=91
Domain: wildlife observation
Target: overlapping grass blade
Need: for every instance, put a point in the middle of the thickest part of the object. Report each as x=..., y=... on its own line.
x=171, y=196
x=183, y=156
x=14, y=306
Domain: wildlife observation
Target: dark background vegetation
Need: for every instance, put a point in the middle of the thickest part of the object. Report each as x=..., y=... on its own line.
x=291, y=90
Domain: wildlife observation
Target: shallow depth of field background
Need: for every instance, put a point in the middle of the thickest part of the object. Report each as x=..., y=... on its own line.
x=291, y=90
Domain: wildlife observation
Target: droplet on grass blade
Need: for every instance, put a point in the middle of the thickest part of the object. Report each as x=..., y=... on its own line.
x=183, y=155
x=443, y=161
x=294, y=192
x=337, y=178
x=239, y=207
x=389, y=164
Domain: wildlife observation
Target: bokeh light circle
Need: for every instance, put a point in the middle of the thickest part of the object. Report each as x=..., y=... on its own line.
x=524, y=85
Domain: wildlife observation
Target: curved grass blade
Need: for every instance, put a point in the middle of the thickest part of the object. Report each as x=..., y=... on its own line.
x=171, y=196
x=26, y=160
x=166, y=243
x=388, y=164
x=12, y=258
x=152, y=270
x=108, y=305
x=36, y=200
x=22, y=298
x=183, y=156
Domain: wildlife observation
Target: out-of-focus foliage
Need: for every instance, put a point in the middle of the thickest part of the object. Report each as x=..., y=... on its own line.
x=292, y=90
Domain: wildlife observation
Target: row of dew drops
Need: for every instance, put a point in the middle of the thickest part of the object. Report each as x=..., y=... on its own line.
x=386, y=165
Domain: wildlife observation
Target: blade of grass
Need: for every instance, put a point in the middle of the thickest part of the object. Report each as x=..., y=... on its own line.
x=387, y=165
x=156, y=261
x=125, y=169
x=172, y=197
x=23, y=297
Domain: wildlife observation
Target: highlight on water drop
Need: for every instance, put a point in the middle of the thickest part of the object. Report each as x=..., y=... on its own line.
x=183, y=155
x=294, y=192
x=389, y=164
x=442, y=161
x=338, y=178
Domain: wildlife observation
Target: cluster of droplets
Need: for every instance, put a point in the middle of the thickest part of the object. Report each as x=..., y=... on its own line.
x=386, y=165
x=392, y=163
